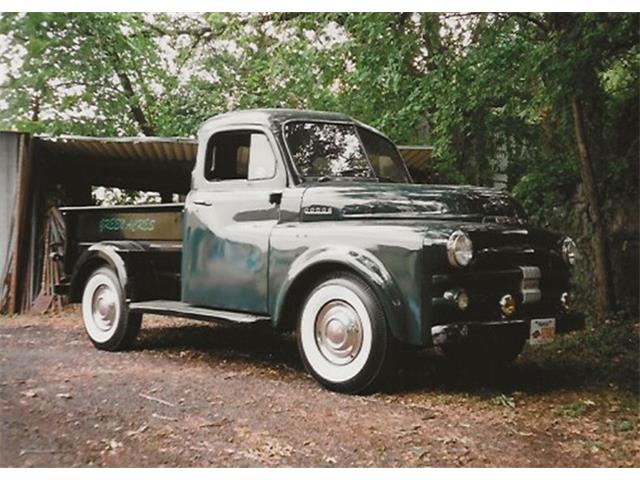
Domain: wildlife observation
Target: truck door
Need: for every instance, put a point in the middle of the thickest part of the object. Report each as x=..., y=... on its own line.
x=229, y=215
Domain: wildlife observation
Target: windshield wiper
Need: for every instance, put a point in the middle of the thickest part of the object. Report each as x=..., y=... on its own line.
x=351, y=171
x=347, y=173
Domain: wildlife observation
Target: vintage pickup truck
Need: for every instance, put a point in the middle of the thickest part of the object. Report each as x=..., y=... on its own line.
x=310, y=221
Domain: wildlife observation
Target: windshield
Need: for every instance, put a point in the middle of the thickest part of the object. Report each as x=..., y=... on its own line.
x=340, y=150
x=384, y=157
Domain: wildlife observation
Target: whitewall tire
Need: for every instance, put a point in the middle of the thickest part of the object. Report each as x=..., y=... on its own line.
x=342, y=334
x=104, y=312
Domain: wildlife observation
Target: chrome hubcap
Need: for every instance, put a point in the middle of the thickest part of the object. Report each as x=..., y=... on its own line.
x=103, y=307
x=338, y=332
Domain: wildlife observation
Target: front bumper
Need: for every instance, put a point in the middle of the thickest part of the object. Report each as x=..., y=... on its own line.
x=468, y=331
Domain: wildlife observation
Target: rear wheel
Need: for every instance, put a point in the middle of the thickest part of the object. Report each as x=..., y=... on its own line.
x=342, y=335
x=104, y=312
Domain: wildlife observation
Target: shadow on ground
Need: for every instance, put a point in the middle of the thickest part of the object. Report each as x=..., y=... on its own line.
x=418, y=372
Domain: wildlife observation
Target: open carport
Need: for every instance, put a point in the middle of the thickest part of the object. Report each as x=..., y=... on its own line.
x=40, y=173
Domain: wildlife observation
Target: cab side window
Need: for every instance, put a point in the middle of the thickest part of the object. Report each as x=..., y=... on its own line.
x=239, y=156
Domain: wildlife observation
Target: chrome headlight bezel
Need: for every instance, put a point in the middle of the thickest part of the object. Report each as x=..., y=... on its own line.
x=569, y=251
x=459, y=249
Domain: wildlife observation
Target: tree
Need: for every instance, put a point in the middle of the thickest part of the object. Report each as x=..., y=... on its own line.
x=555, y=94
x=82, y=73
x=536, y=85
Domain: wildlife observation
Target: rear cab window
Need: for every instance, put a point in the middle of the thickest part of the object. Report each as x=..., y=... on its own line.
x=244, y=155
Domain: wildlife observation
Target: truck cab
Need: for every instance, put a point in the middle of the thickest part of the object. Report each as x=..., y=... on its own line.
x=310, y=221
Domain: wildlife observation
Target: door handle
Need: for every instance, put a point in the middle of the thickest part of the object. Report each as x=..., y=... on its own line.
x=203, y=203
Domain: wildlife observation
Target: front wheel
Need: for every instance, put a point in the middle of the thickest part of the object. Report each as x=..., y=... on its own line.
x=107, y=321
x=342, y=335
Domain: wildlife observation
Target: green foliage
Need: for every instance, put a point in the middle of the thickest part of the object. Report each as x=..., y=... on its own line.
x=574, y=409
x=605, y=353
x=623, y=425
x=544, y=189
x=82, y=73
x=504, y=401
x=117, y=196
x=482, y=89
x=617, y=343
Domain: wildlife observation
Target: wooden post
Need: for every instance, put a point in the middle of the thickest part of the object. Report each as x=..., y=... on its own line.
x=23, y=192
x=17, y=225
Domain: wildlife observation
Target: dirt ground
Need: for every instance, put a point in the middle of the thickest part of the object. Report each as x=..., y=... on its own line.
x=193, y=394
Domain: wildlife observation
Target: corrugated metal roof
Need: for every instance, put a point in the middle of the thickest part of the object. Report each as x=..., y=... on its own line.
x=167, y=149
x=149, y=149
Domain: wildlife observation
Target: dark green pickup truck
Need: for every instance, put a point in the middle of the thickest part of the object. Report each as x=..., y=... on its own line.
x=310, y=221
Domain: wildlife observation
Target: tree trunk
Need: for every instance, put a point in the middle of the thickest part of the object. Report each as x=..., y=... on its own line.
x=602, y=270
x=136, y=110
x=35, y=107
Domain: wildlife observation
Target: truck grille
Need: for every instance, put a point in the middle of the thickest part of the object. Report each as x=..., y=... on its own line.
x=535, y=276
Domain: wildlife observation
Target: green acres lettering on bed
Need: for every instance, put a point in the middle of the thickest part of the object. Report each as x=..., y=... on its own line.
x=116, y=224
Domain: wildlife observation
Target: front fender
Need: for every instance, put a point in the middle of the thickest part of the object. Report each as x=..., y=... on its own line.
x=359, y=261
x=92, y=258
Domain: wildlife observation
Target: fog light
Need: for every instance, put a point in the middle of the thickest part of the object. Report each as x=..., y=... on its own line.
x=565, y=300
x=508, y=305
x=459, y=297
x=462, y=299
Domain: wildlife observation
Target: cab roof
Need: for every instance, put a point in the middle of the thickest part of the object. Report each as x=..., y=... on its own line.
x=270, y=116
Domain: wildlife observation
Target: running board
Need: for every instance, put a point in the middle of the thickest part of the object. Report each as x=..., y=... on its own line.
x=181, y=309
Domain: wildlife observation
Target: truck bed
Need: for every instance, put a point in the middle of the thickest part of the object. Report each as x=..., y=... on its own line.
x=91, y=224
x=148, y=237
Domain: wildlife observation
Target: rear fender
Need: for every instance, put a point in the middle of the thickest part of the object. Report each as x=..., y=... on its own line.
x=94, y=257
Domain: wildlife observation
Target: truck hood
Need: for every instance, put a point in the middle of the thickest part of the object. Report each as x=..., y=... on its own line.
x=333, y=201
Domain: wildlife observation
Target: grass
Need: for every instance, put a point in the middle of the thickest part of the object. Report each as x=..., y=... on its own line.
x=607, y=352
x=574, y=409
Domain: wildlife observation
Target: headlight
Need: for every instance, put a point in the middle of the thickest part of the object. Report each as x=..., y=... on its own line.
x=569, y=251
x=459, y=249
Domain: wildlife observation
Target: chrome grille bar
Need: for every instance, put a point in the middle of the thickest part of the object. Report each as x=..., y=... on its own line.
x=530, y=286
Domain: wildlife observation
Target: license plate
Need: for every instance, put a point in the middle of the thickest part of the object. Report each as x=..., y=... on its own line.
x=543, y=330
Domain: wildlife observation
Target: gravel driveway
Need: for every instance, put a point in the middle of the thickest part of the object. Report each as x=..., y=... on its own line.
x=194, y=394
